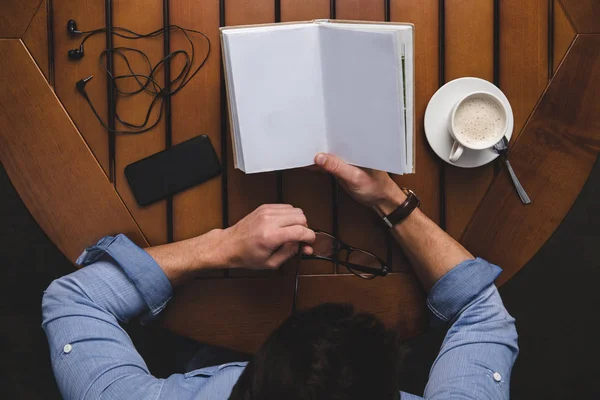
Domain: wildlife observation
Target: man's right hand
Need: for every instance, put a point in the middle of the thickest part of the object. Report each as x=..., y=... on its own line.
x=266, y=238
x=367, y=186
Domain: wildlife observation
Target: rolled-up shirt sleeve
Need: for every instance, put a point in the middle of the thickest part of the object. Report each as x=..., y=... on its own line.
x=90, y=351
x=480, y=348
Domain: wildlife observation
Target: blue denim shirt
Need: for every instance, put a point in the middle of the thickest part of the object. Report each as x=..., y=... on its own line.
x=93, y=357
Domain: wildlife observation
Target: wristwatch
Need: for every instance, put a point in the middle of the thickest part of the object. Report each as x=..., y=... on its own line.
x=404, y=210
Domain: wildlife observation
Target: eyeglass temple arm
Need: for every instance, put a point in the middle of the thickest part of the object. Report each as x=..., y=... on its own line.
x=368, y=270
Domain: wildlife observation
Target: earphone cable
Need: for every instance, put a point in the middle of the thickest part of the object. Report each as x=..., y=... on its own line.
x=147, y=82
x=121, y=132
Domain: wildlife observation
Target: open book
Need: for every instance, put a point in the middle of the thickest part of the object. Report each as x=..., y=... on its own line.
x=343, y=87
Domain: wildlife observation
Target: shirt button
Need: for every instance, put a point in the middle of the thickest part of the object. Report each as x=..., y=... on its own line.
x=67, y=349
x=497, y=377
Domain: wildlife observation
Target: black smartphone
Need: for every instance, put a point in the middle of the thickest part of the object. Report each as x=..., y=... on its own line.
x=173, y=170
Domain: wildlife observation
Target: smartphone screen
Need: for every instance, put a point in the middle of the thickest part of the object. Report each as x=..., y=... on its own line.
x=171, y=171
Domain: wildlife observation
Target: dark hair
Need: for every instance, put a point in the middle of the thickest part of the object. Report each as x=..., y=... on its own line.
x=327, y=352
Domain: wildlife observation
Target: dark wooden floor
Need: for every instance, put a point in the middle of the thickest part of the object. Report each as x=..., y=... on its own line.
x=552, y=298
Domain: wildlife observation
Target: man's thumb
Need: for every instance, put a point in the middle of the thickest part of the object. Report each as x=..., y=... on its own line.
x=283, y=254
x=334, y=165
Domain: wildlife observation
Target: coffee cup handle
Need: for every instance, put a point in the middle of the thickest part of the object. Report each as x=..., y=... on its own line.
x=456, y=152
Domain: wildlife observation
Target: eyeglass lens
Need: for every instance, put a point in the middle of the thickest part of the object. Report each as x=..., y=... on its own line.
x=325, y=246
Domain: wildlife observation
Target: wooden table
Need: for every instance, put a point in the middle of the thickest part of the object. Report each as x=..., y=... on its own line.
x=545, y=55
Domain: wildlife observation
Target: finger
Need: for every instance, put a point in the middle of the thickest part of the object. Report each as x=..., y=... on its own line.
x=281, y=217
x=274, y=206
x=284, y=211
x=282, y=254
x=290, y=219
x=308, y=250
x=293, y=234
x=336, y=166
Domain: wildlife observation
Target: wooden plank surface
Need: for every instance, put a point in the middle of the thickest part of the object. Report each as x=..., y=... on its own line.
x=357, y=224
x=241, y=12
x=469, y=52
x=396, y=299
x=36, y=38
x=243, y=312
x=426, y=182
x=247, y=192
x=523, y=47
x=564, y=34
x=89, y=15
x=365, y=10
x=469, y=39
x=304, y=10
x=15, y=16
x=49, y=163
x=523, y=55
x=553, y=157
x=130, y=148
x=585, y=14
x=309, y=190
x=196, y=111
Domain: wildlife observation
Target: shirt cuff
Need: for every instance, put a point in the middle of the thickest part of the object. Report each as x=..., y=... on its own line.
x=140, y=268
x=459, y=287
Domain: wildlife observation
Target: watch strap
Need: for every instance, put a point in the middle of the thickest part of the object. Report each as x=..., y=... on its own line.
x=403, y=210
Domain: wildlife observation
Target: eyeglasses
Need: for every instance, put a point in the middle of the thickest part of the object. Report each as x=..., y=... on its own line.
x=360, y=262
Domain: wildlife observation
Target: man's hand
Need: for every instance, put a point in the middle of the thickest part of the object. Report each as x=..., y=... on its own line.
x=367, y=186
x=431, y=251
x=264, y=239
x=267, y=237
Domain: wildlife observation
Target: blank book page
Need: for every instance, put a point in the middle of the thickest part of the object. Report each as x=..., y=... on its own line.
x=364, y=105
x=279, y=95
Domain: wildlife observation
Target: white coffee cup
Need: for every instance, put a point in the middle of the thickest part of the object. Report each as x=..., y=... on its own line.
x=477, y=122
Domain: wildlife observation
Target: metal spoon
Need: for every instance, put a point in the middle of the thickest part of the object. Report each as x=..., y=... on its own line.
x=502, y=149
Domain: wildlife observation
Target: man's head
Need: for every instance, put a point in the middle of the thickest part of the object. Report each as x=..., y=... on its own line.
x=327, y=352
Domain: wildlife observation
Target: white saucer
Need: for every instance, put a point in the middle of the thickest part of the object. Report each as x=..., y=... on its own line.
x=438, y=113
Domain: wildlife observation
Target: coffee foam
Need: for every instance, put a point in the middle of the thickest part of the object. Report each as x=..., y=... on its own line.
x=478, y=120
